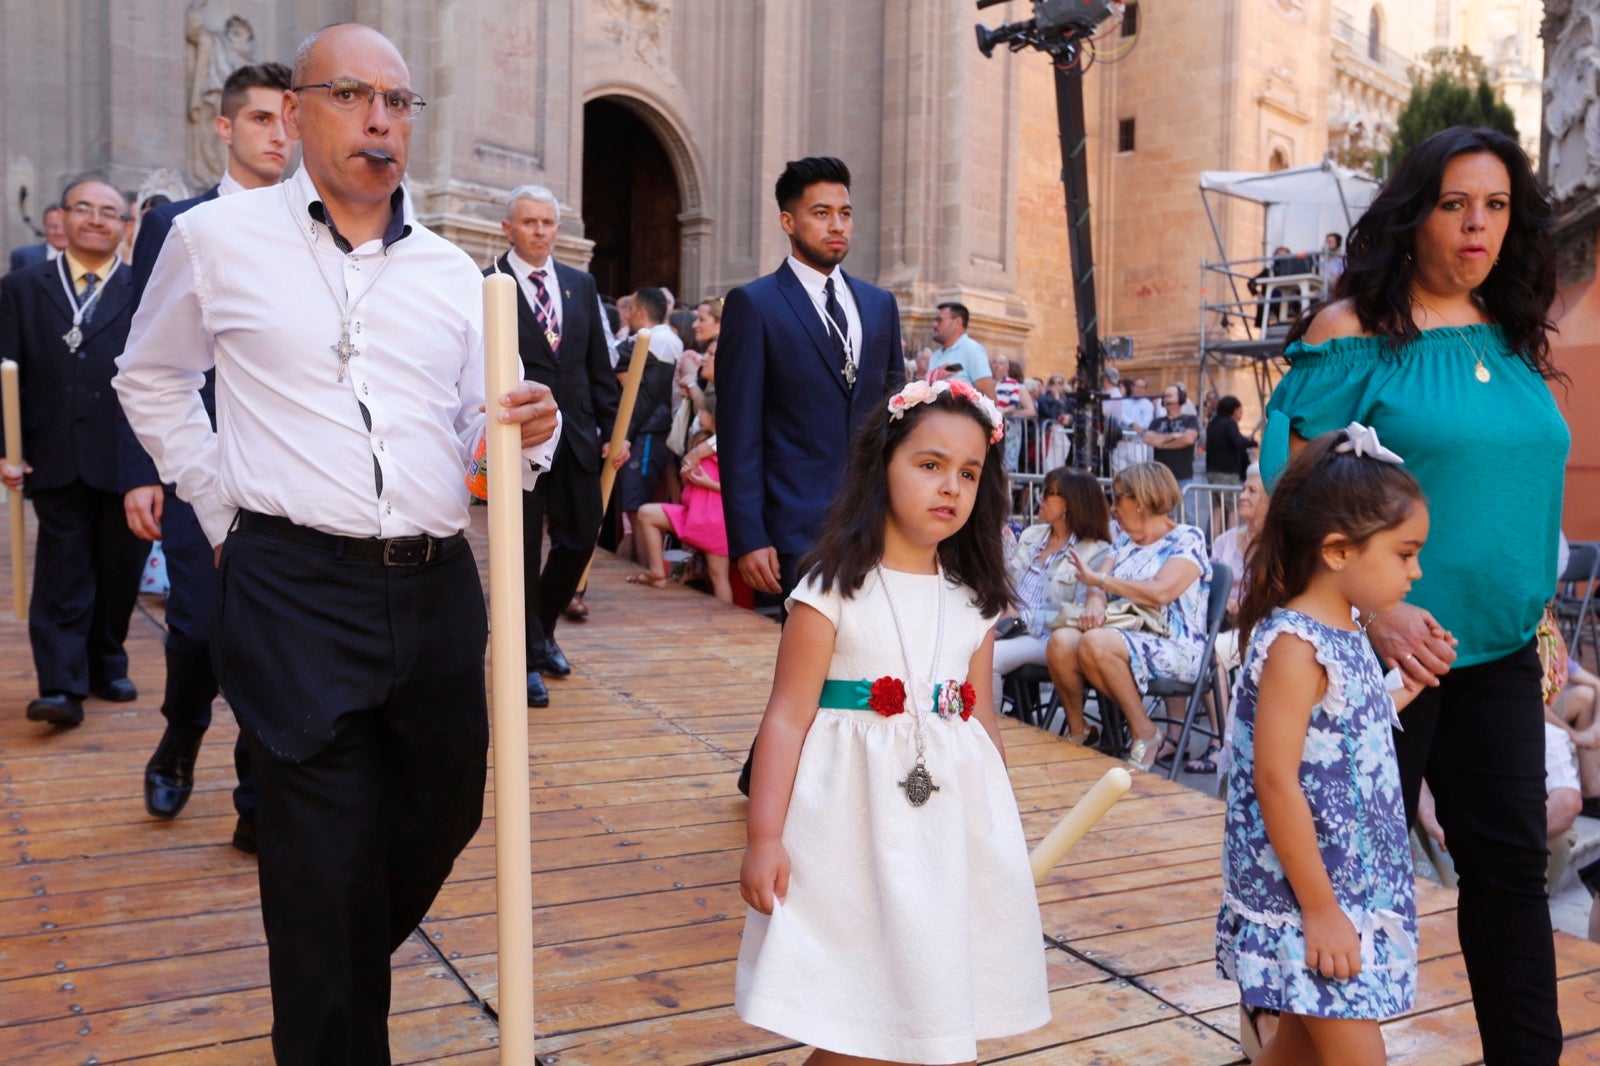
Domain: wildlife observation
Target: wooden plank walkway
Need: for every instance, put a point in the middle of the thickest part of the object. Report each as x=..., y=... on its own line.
x=123, y=939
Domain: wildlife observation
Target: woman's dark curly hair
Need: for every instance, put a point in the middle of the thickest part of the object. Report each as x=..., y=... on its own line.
x=850, y=543
x=1518, y=291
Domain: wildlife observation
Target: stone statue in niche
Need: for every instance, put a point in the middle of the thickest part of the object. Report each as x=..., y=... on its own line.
x=641, y=27
x=214, y=53
x=1572, y=104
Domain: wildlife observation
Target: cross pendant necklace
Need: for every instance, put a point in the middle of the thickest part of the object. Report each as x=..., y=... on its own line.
x=345, y=348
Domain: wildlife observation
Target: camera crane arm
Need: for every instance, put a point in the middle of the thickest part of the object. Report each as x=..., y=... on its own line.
x=1060, y=29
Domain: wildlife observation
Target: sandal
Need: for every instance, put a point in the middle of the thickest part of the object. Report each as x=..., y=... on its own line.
x=1207, y=763
x=1089, y=738
x=652, y=580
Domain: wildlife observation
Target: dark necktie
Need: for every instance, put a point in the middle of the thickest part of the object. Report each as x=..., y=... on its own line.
x=841, y=327
x=544, y=310
x=90, y=280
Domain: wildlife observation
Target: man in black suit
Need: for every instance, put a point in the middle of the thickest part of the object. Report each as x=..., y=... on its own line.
x=55, y=239
x=251, y=126
x=64, y=322
x=563, y=345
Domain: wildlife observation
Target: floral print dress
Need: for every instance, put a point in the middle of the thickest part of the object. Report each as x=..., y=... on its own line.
x=1176, y=656
x=1352, y=783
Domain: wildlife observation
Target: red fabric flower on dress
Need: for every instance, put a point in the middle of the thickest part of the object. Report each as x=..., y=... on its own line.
x=888, y=696
x=969, y=700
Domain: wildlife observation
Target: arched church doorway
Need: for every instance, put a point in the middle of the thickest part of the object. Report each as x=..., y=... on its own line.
x=631, y=201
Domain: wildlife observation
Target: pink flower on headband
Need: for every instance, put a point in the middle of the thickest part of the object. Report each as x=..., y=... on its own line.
x=920, y=392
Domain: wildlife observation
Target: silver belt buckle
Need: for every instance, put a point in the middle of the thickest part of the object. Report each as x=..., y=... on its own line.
x=391, y=544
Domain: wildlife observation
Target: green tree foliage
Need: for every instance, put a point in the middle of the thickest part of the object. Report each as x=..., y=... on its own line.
x=1454, y=90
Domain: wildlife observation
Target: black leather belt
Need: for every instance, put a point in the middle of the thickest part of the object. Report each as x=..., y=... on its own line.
x=395, y=551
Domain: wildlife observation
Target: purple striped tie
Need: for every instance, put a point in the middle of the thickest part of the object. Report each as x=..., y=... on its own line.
x=544, y=310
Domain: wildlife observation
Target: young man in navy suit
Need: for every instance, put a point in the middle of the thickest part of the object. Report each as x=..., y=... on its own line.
x=251, y=126
x=804, y=354
x=64, y=322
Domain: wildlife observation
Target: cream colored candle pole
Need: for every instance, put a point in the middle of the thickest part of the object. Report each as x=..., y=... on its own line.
x=12, y=408
x=1078, y=821
x=619, y=430
x=508, y=669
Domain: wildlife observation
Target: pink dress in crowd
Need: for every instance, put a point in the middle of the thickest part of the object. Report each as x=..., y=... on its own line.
x=697, y=521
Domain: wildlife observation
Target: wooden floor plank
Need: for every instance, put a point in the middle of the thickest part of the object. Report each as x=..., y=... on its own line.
x=125, y=939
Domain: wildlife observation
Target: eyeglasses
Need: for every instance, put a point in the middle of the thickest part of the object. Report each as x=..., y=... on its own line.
x=1117, y=494
x=348, y=94
x=83, y=209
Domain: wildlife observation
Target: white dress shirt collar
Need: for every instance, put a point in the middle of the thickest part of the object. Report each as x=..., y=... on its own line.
x=522, y=270
x=813, y=281
x=228, y=184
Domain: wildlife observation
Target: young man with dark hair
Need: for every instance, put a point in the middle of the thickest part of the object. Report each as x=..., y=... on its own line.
x=804, y=354
x=251, y=126
x=652, y=408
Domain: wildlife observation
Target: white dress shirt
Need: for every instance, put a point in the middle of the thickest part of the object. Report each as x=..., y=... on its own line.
x=237, y=287
x=522, y=270
x=814, y=280
x=227, y=185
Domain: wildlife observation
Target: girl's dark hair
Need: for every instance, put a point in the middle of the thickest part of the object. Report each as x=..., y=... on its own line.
x=1320, y=492
x=1518, y=292
x=850, y=542
x=1085, y=500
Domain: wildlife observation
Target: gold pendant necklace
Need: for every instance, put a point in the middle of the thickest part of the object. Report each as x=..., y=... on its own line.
x=1479, y=371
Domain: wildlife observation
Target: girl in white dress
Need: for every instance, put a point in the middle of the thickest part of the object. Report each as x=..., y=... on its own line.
x=892, y=913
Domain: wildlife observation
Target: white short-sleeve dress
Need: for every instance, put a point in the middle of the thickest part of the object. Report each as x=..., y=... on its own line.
x=909, y=933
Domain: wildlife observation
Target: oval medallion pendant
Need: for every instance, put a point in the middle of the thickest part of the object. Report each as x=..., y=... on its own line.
x=919, y=785
x=1482, y=373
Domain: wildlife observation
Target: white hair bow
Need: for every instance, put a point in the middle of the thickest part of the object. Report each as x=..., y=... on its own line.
x=1363, y=440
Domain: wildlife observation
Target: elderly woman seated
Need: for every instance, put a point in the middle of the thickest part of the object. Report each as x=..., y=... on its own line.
x=1072, y=515
x=1158, y=564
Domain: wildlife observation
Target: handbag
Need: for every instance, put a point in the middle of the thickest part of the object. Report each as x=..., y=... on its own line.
x=1553, y=659
x=682, y=427
x=1125, y=615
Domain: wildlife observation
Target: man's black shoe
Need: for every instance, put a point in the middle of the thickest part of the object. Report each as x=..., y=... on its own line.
x=244, y=835
x=117, y=690
x=551, y=661
x=57, y=708
x=169, y=775
x=538, y=695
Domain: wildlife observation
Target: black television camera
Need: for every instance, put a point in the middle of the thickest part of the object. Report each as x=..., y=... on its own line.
x=1057, y=26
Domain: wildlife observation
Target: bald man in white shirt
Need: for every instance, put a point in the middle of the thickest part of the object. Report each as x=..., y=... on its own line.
x=349, y=625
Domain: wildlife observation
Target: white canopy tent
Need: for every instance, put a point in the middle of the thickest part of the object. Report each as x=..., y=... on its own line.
x=1303, y=204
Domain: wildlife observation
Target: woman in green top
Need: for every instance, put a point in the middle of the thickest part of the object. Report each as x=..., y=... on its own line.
x=1435, y=336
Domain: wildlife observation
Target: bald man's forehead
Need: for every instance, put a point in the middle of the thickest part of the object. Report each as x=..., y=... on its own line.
x=357, y=52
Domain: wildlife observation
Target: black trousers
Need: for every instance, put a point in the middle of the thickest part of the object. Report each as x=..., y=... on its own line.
x=87, y=566
x=361, y=688
x=191, y=682
x=1479, y=740
x=569, y=497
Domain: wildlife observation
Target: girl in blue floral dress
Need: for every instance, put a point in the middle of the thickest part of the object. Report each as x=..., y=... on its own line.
x=1318, y=919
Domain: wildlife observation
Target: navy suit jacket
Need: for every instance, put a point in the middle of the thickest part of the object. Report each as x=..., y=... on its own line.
x=785, y=416
x=29, y=254
x=134, y=466
x=581, y=378
x=69, y=409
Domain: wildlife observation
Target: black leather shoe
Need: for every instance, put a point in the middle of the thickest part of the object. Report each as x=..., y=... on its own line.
x=57, y=708
x=244, y=835
x=169, y=775
x=117, y=690
x=538, y=695
x=552, y=662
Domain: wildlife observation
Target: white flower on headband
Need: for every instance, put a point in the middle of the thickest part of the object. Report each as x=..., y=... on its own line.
x=920, y=392
x=1363, y=440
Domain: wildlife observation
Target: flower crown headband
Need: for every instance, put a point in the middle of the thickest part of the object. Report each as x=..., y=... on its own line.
x=920, y=392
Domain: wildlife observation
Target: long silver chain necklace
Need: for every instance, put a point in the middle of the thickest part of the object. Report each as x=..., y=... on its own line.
x=918, y=784
x=74, y=336
x=344, y=349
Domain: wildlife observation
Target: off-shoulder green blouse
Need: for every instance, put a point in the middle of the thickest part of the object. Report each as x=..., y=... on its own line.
x=1490, y=457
